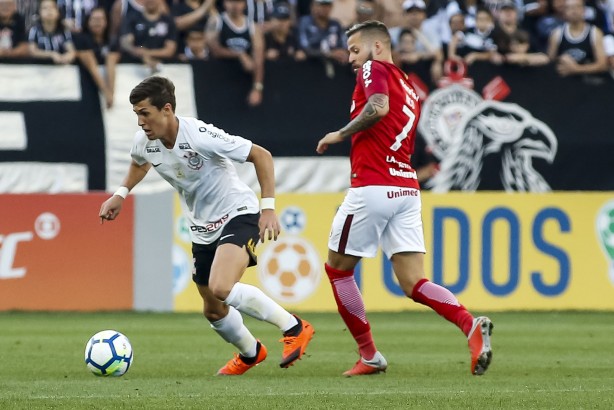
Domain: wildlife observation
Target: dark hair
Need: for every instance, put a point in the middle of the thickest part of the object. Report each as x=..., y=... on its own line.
x=406, y=31
x=159, y=90
x=370, y=27
x=40, y=2
x=86, y=23
x=482, y=9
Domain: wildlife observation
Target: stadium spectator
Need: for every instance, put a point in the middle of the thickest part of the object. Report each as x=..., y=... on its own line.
x=190, y=17
x=195, y=46
x=13, y=42
x=427, y=41
x=344, y=11
x=124, y=10
x=476, y=44
x=392, y=15
x=74, y=12
x=406, y=51
x=232, y=35
x=577, y=46
x=366, y=10
x=383, y=205
x=533, y=10
x=547, y=23
x=178, y=147
x=438, y=13
x=48, y=39
x=505, y=26
x=457, y=24
x=150, y=36
x=519, y=53
x=97, y=53
x=280, y=42
x=320, y=36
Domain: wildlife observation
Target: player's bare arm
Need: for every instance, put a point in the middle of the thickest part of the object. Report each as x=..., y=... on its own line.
x=375, y=109
x=111, y=207
x=265, y=172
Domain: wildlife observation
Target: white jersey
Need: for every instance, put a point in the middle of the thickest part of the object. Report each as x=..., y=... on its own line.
x=199, y=167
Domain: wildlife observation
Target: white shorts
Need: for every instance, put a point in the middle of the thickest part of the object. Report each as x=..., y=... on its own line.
x=372, y=215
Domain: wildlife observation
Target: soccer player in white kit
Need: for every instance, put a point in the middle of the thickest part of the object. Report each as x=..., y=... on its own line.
x=383, y=205
x=223, y=213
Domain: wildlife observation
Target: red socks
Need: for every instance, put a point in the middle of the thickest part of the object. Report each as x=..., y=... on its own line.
x=442, y=301
x=352, y=309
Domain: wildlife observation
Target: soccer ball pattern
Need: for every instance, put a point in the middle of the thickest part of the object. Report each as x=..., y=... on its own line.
x=290, y=269
x=108, y=353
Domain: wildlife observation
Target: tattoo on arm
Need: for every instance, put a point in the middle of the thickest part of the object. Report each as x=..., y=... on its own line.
x=368, y=117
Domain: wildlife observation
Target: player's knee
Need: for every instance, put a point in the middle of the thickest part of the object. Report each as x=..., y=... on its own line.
x=213, y=313
x=220, y=291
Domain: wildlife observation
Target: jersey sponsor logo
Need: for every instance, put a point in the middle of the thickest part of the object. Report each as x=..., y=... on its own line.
x=210, y=226
x=402, y=192
x=157, y=165
x=391, y=159
x=366, y=73
x=151, y=150
x=184, y=145
x=195, y=161
x=213, y=134
x=402, y=174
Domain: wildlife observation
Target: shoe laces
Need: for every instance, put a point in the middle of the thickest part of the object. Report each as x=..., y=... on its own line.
x=236, y=362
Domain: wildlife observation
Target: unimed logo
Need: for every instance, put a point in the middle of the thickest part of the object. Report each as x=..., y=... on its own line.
x=46, y=226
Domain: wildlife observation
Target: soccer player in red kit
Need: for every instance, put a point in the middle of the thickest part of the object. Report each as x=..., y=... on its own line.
x=383, y=204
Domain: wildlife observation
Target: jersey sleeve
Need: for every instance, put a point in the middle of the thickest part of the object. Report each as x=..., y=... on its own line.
x=214, y=141
x=136, y=152
x=373, y=79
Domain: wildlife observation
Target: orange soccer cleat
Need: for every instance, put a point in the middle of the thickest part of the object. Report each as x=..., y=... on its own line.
x=479, y=345
x=294, y=346
x=365, y=367
x=236, y=366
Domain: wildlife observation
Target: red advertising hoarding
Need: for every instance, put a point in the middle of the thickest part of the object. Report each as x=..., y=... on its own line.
x=55, y=254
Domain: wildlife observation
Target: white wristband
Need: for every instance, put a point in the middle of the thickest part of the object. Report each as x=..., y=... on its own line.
x=122, y=191
x=267, y=203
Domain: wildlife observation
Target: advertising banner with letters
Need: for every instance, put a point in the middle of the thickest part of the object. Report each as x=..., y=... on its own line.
x=495, y=251
x=55, y=254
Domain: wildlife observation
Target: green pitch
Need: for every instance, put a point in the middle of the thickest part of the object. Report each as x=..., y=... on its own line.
x=541, y=360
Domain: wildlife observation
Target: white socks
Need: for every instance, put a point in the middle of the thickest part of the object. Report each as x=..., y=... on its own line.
x=232, y=330
x=252, y=301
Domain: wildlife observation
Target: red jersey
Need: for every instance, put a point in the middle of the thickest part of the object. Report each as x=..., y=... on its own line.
x=380, y=154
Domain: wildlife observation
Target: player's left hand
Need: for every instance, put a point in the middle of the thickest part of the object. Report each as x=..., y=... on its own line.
x=269, y=225
x=330, y=138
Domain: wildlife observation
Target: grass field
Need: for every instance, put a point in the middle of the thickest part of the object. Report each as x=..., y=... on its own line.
x=549, y=360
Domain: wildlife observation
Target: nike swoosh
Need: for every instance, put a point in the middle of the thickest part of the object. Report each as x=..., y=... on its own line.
x=155, y=165
x=226, y=236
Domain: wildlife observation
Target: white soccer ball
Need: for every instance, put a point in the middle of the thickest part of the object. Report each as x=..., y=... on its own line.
x=108, y=353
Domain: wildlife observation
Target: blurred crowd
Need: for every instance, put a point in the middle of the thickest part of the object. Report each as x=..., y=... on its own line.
x=575, y=35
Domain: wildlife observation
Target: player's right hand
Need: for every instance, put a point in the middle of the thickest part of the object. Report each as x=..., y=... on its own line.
x=110, y=208
x=330, y=138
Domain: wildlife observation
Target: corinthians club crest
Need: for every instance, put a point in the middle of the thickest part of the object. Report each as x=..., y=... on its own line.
x=472, y=136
